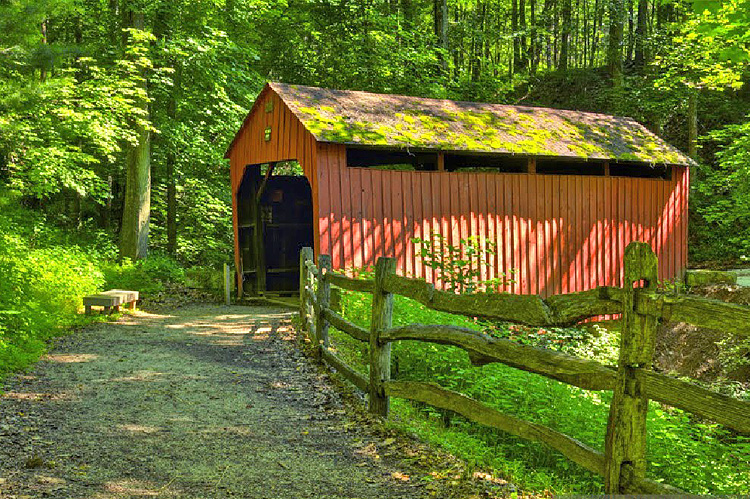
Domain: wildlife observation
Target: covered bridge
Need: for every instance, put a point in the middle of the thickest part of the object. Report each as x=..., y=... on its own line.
x=561, y=193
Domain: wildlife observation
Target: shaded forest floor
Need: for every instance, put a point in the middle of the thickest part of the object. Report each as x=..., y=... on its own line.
x=203, y=401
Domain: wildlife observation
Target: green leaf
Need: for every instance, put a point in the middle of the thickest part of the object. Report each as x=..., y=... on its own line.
x=734, y=54
x=701, y=6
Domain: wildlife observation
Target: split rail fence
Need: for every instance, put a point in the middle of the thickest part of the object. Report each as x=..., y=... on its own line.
x=634, y=383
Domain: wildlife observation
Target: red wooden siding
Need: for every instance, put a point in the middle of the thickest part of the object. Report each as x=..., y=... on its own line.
x=289, y=141
x=560, y=233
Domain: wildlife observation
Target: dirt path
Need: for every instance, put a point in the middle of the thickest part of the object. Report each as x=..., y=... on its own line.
x=203, y=402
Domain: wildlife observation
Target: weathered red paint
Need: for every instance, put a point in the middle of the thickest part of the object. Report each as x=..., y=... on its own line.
x=568, y=233
x=289, y=141
x=558, y=234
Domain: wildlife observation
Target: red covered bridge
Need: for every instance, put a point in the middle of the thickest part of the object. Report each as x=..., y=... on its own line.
x=561, y=193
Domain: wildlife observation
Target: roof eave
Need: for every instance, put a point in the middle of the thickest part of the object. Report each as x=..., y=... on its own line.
x=687, y=162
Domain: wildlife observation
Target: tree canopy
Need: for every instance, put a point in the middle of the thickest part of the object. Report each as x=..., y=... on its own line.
x=97, y=95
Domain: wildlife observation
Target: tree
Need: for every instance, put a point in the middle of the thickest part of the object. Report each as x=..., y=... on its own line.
x=711, y=52
x=80, y=108
x=562, y=64
x=440, y=14
x=617, y=12
x=137, y=209
x=516, y=61
x=641, y=35
x=523, y=60
x=534, y=38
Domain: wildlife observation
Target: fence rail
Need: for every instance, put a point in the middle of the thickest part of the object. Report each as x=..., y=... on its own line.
x=633, y=382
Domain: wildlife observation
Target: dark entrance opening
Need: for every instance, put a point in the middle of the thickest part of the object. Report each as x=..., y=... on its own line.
x=274, y=208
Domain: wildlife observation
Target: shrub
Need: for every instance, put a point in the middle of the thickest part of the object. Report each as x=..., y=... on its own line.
x=40, y=294
x=205, y=278
x=46, y=272
x=149, y=275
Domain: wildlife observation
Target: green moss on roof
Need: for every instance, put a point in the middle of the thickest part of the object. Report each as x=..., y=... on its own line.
x=350, y=117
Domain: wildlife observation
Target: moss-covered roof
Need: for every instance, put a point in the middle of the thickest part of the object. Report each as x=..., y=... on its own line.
x=397, y=121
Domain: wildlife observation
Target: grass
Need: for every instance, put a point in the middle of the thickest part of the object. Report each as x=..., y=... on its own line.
x=693, y=455
x=46, y=270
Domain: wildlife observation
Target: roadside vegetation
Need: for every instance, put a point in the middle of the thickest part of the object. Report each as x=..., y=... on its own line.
x=694, y=455
x=46, y=270
x=697, y=456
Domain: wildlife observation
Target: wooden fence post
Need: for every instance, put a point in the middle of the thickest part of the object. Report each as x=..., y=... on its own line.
x=324, y=298
x=227, y=285
x=305, y=255
x=625, y=447
x=380, y=354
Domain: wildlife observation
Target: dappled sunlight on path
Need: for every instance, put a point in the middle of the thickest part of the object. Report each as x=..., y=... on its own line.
x=204, y=402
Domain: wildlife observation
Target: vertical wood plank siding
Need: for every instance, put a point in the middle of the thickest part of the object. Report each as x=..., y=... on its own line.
x=560, y=233
x=289, y=141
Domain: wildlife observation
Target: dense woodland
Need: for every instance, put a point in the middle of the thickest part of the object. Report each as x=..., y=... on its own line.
x=115, y=115
x=100, y=97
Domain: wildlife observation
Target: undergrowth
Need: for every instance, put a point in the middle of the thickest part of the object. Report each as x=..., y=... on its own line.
x=45, y=272
x=687, y=453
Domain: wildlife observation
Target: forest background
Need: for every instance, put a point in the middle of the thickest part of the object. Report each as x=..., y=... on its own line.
x=91, y=90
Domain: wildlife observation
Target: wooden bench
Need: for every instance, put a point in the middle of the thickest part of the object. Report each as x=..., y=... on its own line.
x=111, y=300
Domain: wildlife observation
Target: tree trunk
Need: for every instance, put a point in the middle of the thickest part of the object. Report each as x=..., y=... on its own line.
x=409, y=12
x=595, y=28
x=105, y=210
x=534, y=39
x=523, y=50
x=693, y=124
x=514, y=30
x=562, y=64
x=162, y=32
x=585, y=35
x=614, y=52
x=555, y=32
x=77, y=218
x=136, y=212
x=547, y=20
x=457, y=52
x=641, y=34
x=440, y=14
x=575, y=46
x=476, y=63
x=631, y=32
x=135, y=216
x=43, y=67
x=171, y=180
